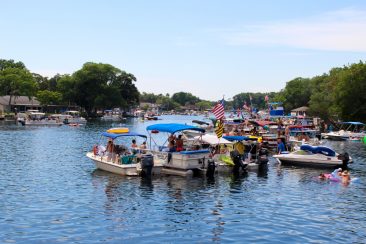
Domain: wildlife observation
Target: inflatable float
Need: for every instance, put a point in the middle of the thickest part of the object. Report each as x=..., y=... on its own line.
x=118, y=130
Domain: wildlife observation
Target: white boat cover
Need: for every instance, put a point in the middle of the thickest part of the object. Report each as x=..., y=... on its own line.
x=212, y=139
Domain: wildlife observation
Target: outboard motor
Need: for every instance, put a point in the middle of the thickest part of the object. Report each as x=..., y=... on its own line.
x=237, y=160
x=263, y=156
x=345, y=159
x=210, y=168
x=147, y=163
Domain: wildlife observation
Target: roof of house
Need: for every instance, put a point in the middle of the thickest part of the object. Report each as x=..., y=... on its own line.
x=301, y=109
x=19, y=100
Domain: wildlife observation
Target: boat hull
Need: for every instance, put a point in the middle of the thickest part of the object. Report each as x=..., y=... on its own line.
x=315, y=160
x=133, y=169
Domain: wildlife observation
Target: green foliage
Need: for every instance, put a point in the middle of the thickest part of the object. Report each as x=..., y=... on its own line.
x=46, y=97
x=296, y=93
x=258, y=99
x=166, y=103
x=102, y=86
x=185, y=98
x=17, y=82
x=149, y=97
x=5, y=64
x=204, y=105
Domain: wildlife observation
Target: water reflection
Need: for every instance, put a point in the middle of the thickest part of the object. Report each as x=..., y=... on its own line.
x=50, y=192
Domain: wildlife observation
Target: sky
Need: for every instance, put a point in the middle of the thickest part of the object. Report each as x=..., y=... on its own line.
x=210, y=48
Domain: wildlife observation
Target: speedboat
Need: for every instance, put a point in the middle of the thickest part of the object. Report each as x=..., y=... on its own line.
x=192, y=158
x=123, y=160
x=314, y=156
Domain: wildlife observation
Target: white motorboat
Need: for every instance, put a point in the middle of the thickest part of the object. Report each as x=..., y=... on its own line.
x=319, y=156
x=191, y=158
x=348, y=131
x=73, y=117
x=122, y=160
x=37, y=118
x=112, y=116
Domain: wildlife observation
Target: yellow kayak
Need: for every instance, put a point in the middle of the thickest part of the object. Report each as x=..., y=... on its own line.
x=118, y=130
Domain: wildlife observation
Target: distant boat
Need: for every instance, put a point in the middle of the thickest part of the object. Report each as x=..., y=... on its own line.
x=34, y=117
x=354, y=131
x=110, y=115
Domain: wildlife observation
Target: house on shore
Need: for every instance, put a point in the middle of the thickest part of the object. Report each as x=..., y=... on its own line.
x=20, y=103
x=299, y=111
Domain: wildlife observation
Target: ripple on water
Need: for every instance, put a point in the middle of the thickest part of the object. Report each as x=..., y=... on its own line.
x=50, y=192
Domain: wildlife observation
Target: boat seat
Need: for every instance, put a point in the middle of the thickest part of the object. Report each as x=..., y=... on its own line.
x=128, y=159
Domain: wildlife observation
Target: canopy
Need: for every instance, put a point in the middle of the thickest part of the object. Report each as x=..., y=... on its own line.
x=237, y=138
x=262, y=122
x=172, y=128
x=212, y=139
x=352, y=123
x=114, y=136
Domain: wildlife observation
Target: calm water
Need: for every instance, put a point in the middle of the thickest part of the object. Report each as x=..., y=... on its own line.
x=50, y=192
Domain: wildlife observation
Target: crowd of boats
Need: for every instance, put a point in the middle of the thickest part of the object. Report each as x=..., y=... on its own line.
x=187, y=149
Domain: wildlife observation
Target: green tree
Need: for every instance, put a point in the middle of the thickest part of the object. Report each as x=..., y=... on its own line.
x=350, y=92
x=203, y=105
x=66, y=86
x=46, y=97
x=5, y=64
x=185, y=98
x=297, y=93
x=17, y=82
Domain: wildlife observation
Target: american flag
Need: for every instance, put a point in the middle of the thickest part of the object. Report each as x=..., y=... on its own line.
x=219, y=110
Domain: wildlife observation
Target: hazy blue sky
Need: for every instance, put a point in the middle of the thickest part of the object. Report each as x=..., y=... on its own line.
x=206, y=47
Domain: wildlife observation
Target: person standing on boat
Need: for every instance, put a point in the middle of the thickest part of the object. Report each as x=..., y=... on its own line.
x=281, y=146
x=110, y=150
x=179, y=143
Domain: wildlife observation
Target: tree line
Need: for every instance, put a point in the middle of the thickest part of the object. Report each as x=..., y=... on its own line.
x=338, y=94
x=95, y=86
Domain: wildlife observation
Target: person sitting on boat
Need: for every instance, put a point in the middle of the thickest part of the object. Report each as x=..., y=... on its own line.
x=303, y=137
x=179, y=143
x=281, y=146
x=143, y=147
x=134, y=146
x=171, y=146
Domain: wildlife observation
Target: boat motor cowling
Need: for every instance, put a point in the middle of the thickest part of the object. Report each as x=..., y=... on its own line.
x=237, y=160
x=211, y=167
x=147, y=163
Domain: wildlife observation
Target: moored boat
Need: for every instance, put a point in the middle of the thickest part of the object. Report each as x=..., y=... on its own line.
x=317, y=156
x=192, y=157
x=120, y=159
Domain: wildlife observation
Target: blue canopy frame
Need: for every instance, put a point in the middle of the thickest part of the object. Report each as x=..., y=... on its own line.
x=173, y=128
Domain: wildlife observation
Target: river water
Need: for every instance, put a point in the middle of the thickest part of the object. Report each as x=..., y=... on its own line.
x=51, y=193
